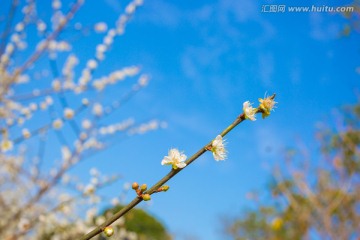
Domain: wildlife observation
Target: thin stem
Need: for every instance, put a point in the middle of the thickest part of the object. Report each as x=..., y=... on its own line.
x=48, y=126
x=52, y=36
x=166, y=178
x=10, y=19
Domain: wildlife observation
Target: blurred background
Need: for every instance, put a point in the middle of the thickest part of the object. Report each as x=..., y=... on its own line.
x=148, y=77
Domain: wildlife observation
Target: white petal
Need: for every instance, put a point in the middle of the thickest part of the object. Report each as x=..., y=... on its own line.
x=181, y=165
x=246, y=104
x=182, y=158
x=166, y=161
x=217, y=141
x=174, y=153
x=219, y=156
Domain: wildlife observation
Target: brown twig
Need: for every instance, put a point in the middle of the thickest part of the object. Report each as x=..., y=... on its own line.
x=6, y=32
x=37, y=54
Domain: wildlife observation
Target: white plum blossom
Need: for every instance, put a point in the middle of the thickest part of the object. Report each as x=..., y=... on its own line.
x=9, y=48
x=94, y=172
x=69, y=113
x=94, y=181
x=91, y=64
x=57, y=123
x=20, y=121
x=100, y=220
x=43, y=105
x=101, y=48
x=97, y=109
x=66, y=153
x=108, y=40
x=49, y=101
x=24, y=78
x=99, y=85
x=112, y=33
x=19, y=27
x=266, y=105
x=56, y=4
x=145, y=127
x=41, y=26
x=143, y=80
x=36, y=114
x=116, y=76
x=33, y=106
x=174, y=158
x=86, y=124
x=6, y=145
x=63, y=46
x=89, y=189
x=115, y=201
x=130, y=9
x=83, y=136
x=52, y=45
x=249, y=111
x=56, y=85
x=26, y=133
x=68, y=69
x=85, y=101
x=218, y=148
x=91, y=213
x=4, y=59
x=100, y=27
x=23, y=224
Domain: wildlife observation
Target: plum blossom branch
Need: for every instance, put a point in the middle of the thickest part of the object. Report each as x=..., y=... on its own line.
x=52, y=36
x=5, y=34
x=32, y=187
x=175, y=158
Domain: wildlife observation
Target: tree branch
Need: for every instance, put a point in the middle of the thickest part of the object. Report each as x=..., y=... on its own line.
x=166, y=178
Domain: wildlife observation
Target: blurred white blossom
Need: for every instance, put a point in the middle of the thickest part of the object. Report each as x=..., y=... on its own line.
x=6, y=145
x=100, y=27
x=69, y=113
x=48, y=105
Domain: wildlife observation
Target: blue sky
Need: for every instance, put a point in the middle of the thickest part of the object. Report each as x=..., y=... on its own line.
x=206, y=58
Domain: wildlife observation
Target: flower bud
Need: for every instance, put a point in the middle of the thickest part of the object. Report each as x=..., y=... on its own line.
x=165, y=188
x=135, y=186
x=146, y=197
x=143, y=187
x=108, y=231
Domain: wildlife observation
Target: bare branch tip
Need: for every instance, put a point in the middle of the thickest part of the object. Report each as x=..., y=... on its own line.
x=273, y=96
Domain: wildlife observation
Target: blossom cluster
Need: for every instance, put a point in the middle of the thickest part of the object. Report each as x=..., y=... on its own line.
x=51, y=119
x=266, y=106
x=177, y=159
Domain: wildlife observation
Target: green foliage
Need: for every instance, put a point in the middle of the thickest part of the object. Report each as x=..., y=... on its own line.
x=137, y=224
x=353, y=23
x=142, y=223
